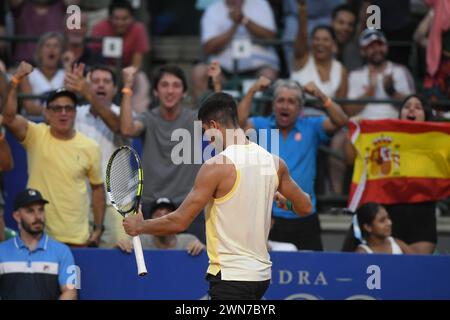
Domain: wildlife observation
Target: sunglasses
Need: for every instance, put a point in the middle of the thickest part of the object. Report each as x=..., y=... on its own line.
x=59, y=109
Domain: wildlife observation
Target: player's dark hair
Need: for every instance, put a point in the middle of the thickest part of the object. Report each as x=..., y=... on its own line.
x=104, y=68
x=120, y=4
x=365, y=215
x=220, y=107
x=170, y=69
x=426, y=108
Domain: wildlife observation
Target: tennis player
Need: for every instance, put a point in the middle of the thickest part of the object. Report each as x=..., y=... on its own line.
x=237, y=188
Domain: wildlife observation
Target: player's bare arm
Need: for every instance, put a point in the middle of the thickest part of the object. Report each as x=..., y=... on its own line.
x=205, y=185
x=288, y=188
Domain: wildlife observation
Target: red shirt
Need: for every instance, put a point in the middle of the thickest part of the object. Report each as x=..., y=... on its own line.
x=134, y=41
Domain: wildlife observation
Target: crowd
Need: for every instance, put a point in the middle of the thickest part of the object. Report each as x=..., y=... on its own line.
x=85, y=104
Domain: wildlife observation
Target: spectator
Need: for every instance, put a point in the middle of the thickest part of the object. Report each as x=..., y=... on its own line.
x=378, y=79
x=95, y=11
x=34, y=18
x=48, y=74
x=156, y=127
x=60, y=162
x=6, y=164
x=344, y=25
x=433, y=34
x=371, y=231
x=121, y=23
x=319, y=66
x=77, y=50
x=189, y=242
x=413, y=223
x=33, y=266
x=99, y=120
x=228, y=20
x=319, y=13
x=298, y=143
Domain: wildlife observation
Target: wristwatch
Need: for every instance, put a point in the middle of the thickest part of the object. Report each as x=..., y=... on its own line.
x=101, y=227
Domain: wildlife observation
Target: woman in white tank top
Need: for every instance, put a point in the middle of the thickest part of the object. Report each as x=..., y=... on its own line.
x=318, y=65
x=48, y=74
x=371, y=232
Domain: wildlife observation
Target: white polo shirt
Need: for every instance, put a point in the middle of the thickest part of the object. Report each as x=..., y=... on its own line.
x=359, y=81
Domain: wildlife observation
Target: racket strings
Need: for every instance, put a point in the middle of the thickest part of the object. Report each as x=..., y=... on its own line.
x=124, y=180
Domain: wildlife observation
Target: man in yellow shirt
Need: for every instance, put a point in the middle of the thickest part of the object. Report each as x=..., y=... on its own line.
x=60, y=162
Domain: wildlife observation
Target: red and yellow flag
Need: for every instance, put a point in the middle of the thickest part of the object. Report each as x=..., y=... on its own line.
x=400, y=161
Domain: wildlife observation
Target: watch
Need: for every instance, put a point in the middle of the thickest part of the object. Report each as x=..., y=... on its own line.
x=101, y=227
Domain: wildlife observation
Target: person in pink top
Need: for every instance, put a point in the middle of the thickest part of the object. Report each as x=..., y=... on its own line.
x=121, y=23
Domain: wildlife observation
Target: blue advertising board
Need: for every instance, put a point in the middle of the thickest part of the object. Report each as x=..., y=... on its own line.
x=174, y=275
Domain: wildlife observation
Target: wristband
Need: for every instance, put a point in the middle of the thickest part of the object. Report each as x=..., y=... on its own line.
x=101, y=227
x=15, y=81
x=328, y=103
x=127, y=91
x=289, y=205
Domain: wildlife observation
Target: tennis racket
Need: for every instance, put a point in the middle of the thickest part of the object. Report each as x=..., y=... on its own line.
x=124, y=181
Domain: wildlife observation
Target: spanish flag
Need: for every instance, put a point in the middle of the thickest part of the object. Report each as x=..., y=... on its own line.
x=399, y=161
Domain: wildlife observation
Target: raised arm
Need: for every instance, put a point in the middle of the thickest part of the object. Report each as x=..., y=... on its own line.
x=301, y=40
x=128, y=126
x=17, y=124
x=246, y=103
x=215, y=74
x=205, y=185
x=288, y=189
x=336, y=116
x=76, y=82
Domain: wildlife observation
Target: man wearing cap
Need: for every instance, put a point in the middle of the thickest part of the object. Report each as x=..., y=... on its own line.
x=33, y=266
x=182, y=241
x=60, y=160
x=378, y=79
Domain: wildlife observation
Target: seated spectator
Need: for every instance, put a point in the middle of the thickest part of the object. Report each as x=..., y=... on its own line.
x=48, y=74
x=378, y=79
x=318, y=65
x=34, y=18
x=371, y=232
x=414, y=223
x=182, y=241
x=60, y=163
x=228, y=20
x=121, y=23
x=38, y=266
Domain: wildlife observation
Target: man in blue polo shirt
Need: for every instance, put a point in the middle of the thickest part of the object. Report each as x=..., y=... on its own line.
x=32, y=265
x=299, y=138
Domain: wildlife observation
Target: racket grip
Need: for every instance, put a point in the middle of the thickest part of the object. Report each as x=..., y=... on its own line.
x=142, y=269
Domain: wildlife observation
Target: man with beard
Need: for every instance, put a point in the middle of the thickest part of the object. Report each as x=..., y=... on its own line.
x=60, y=163
x=33, y=266
x=378, y=79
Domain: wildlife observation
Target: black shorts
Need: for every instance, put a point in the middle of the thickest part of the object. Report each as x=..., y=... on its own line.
x=303, y=232
x=235, y=290
x=413, y=222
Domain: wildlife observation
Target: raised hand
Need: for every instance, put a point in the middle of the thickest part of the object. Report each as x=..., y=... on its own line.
x=261, y=84
x=68, y=59
x=312, y=89
x=128, y=75
x=23, y=70
x=74, y=80
x=214, y=70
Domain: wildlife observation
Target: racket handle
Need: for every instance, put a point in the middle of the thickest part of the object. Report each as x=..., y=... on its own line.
x=142, y=269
